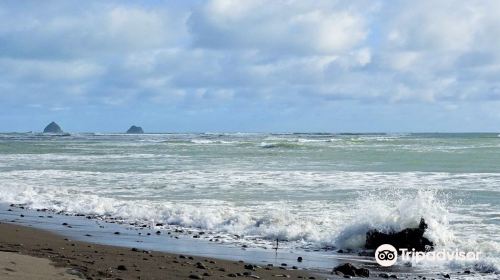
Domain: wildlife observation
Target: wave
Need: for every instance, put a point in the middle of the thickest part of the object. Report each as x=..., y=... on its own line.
x=342, y=225
x=222, y=216
x=208, y=141
x=395, y=213
x=280, y=145
x=219, y=217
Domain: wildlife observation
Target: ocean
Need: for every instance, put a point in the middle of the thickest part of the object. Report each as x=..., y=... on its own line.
x=311, y=191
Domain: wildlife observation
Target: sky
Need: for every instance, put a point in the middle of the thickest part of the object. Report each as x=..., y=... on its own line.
x=250, y=66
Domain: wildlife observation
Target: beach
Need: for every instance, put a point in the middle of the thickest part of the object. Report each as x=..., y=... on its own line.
x=17, y=266
x=258, y=198
x=70, y=259
x=252, y=139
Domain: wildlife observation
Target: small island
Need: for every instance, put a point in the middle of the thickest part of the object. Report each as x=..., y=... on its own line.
x=53, y=128
x=135, y=130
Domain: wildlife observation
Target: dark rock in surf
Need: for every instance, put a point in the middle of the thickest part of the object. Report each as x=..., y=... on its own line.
x=52, y=128
x=409, y=238
x=350, y=270
x=135, y=130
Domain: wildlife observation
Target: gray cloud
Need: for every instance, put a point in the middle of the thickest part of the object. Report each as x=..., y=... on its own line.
x=222, y=51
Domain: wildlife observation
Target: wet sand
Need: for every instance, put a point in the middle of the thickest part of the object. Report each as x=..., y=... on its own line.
x=93, y=261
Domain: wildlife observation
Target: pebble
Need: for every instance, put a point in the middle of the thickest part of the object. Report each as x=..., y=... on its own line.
x=200, y=265
x=195, y=276
x=121, y=267
x=299, y=259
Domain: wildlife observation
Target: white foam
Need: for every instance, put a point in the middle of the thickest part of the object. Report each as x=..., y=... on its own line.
x=310, y=209
x=394, y=212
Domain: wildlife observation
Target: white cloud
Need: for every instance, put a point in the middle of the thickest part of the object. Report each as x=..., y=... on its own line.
x=226, y=50
x=88, y=29
x=45, y=70
x=282, y=27
x=438, y=26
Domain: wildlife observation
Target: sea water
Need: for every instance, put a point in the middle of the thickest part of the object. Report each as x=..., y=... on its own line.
x=310, y=191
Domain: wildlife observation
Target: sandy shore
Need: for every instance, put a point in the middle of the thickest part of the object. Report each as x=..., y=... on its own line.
x=40, y=254
x=17, y=266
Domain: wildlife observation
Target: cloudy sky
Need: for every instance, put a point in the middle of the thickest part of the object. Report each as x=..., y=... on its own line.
x=225, y=65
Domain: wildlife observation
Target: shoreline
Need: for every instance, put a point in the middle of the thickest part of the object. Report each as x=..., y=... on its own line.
x=96, y=261
x=77, y=243
x=91, y=230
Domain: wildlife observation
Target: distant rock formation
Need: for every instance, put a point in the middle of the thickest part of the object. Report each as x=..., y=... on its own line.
x=135, y=130
x=52, y=128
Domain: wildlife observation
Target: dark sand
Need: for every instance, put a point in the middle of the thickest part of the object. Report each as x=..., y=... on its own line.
x=93, y=261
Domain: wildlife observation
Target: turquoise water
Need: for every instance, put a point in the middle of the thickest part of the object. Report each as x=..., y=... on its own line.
x=312, y=190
